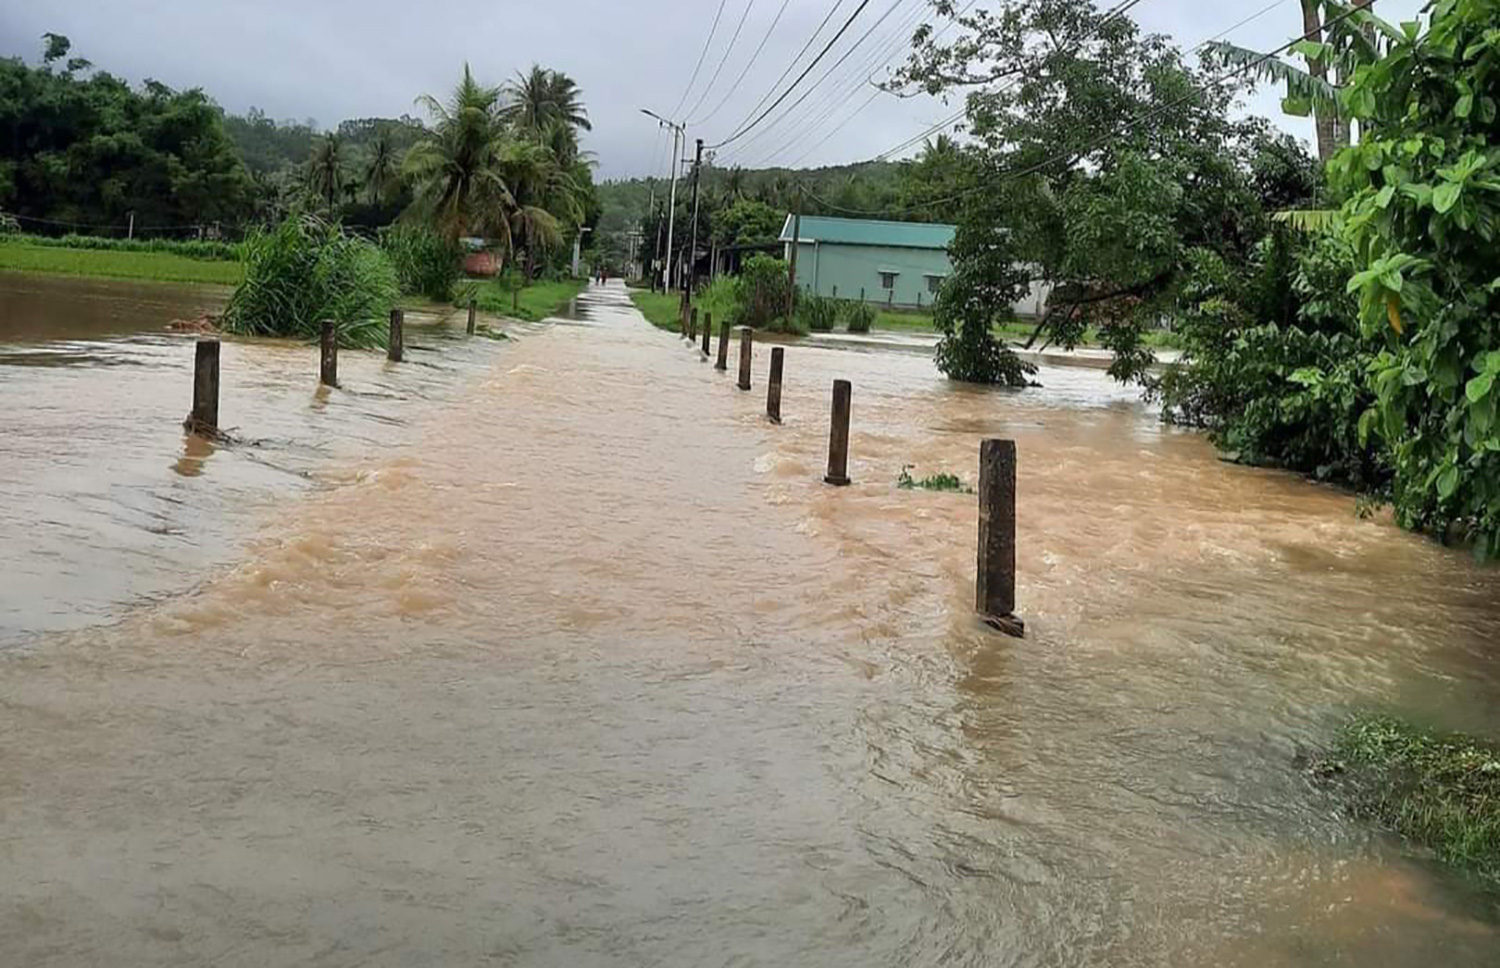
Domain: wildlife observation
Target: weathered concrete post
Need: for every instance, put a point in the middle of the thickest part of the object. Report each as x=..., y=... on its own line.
x=395, y=344
x=471, y=315
x=747, y=343
x=328, y=371
x=773, y=385
x=995, y=586
x=838, y=436
x=682, y=320
x=205, y=415
x=693, y=324
x=708, y=330
x=723, y=361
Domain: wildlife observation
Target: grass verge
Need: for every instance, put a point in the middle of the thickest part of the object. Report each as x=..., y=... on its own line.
x=116, y=264
x=1440, y=791
x=535, y=303
x=659, y=308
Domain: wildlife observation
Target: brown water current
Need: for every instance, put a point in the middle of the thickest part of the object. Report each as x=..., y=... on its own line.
x=552, y=651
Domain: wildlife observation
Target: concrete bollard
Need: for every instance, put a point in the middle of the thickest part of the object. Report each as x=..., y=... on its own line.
x=995, y=584
x=773, y=385
x=723, y=361
x=395, y=344
x=205, y=415
x=693, y=325
x=328, y=369
x=471, y=315
x=838, y=436
x=747, y=349
x=708, y=329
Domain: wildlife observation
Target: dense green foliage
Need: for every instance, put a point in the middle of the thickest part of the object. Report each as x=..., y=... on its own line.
x=761, y=296
x=1422, y=217
x=305, y=271
x=81, y=146
x=1440, y=791
x=1113, y=225
x=426, y=263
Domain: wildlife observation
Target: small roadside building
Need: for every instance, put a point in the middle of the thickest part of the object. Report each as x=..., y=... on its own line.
x=900, y=264
x=897, y=264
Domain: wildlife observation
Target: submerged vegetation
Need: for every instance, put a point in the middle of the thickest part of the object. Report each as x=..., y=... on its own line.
x=1439, y=791
x=306, y=271
x=935, y=482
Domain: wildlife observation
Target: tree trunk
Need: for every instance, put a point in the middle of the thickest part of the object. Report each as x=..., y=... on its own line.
x=1325, y=120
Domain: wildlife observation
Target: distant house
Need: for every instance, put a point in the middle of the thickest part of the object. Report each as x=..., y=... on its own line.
x=898, y=264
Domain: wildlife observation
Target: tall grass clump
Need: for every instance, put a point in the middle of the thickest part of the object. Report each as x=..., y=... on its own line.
x=859, y=316
x=306, y=270
x=426, y=263
x=817, y=313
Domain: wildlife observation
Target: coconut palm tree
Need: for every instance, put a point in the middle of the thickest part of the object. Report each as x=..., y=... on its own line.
x=457, y=174
x=325, y=170
x=540, y=96
x=381, y=172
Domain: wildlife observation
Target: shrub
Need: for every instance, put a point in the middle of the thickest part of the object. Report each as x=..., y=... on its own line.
x=305, y=271
x=817, y=313
x=426, y=264
x=9, y=225
x=859, y=316
x=761, y=294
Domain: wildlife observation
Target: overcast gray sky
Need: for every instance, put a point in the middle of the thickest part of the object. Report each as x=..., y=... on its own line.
x=335, y=59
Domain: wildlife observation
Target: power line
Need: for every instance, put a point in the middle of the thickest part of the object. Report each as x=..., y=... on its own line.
x=701, y=55
x=1118, y=10
x=749, y=5
x=793, y=63
x=895, y=41
x=800, y=77
x=1247, y=68
x=749, y=64
x=840, y=92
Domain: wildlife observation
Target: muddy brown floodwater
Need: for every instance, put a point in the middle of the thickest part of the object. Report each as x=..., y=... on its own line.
x=554, y=652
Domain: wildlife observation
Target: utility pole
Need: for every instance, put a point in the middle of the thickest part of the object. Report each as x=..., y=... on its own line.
x=656, y=262
x=678, y=133
x=791, y=291
x=692, y=274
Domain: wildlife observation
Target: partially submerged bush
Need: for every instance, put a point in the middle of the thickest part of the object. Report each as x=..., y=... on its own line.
x=1441, y=791
x=936, y=482
x=426, y=263
x=817, y=313
x=859, y=316
x=307, y=270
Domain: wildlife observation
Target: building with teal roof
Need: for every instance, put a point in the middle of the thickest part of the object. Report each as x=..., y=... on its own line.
x=898, y=264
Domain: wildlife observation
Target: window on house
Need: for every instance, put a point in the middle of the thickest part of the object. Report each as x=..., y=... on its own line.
x=888, y=280
x=934, y=283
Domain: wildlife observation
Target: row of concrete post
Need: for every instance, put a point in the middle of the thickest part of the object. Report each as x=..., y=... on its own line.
x=204, y=418
x=995, y=584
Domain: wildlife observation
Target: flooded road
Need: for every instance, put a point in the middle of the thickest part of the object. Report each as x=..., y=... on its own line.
x=556, y=653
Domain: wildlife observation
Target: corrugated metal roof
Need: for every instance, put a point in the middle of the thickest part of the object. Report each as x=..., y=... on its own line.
x=859, y=231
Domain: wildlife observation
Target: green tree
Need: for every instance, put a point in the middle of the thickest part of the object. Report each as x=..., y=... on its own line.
x=747, y=222
x=1090, y=167
x=1422, y=217
x=540, y=97
x=380, y=173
